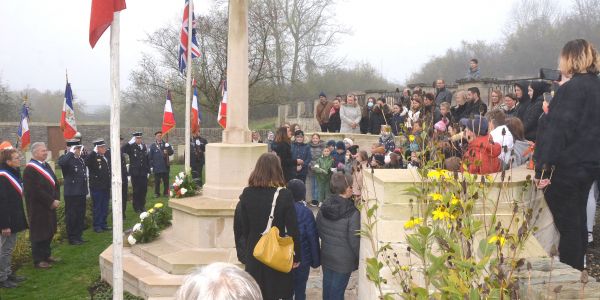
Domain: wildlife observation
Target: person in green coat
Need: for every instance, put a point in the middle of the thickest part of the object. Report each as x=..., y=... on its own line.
x=323, y=170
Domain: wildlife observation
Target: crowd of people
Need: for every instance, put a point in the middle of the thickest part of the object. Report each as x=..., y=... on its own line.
x=84, y=172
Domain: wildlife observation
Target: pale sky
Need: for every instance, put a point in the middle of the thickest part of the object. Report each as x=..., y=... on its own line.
x=41, y=39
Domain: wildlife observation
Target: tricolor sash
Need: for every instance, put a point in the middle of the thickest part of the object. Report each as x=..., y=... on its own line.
x=14, y=181
x=38, y=167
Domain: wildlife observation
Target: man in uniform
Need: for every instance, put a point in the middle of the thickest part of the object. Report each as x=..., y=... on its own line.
x=124, y=180
x=159, y=162
x=98, y=163
x=139, y=169
x=198, y=146
x=42, y=194
x=75, y=191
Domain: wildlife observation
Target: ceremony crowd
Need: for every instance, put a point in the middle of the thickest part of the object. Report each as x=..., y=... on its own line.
x=550, y=126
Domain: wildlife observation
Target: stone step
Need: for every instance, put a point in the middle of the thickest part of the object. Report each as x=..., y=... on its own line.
x=176, y=257
x=140, y=278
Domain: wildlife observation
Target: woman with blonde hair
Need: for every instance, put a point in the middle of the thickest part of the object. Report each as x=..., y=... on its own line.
x=570, y=152
x=461, y=109
x=495, y=99
x=250, y=220
x=350, y=115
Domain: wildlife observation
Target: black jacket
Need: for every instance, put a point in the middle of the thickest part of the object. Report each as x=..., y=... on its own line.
x=250, y=220
x=138, y=159
x=534, y=111
x=198, y=148
x=99, y=169
x=460, y=112
x=476, y=108
x=74, y=174
x=378, y=118
x=338, y=223
x=12, y=213
x=524, y=101
x=570, y=139
x=288, y=164
x=39, y=195
x=335, y=122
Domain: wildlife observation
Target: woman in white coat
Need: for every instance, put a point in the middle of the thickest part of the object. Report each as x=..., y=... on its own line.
x=350, y=114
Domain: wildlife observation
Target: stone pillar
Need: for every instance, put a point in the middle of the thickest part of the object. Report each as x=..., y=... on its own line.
x=237, y=131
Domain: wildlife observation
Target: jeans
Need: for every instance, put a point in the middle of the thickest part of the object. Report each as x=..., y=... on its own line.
x=164, y=177
x=7, y=245
x=314, y=187
x=100, y=208
x=75, y=216
x=567, y=199
x=300, y=279
x=334, y=284
x=40, y=250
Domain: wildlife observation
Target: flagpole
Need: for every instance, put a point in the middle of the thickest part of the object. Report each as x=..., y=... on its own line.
x=115, y=130
x=188, y=88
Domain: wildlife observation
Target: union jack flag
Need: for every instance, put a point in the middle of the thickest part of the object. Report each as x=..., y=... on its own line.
x=183, y=39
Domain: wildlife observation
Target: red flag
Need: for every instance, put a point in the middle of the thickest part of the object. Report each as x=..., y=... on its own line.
x=222, y=117
x=168, y=117
x=102, y=17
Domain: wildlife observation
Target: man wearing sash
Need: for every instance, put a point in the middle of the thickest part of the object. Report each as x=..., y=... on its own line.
x=138, y=170
x=41, y=191
x=75, y=191
x=98, y=163
x=159, y=162
x=12, y=215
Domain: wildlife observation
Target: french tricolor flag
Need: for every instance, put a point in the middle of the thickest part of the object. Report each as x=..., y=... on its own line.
x=168, y=117
x=196, y=115
x=67, y=119
x=222, y=117
x=23, y=133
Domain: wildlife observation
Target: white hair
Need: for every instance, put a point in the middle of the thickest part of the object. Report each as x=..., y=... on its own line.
x=36, y=145
x=219, y=281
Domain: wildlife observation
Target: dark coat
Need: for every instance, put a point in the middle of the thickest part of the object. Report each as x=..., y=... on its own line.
x=431, y=114
x=12, y=214
x=335, y=122
x=476, y=108
x=309, y=236
x=288, y=163
x=571, y=136
x=99, y=170
x=524, y=101
x=365, y=120
x=533, y=113
x=158, y=157
x=74, y=174
x=198, y=148
x=460, y=112
x=378, y=118
x=443, y=95
x=302, y=151
x=397, y=124
x=338, y=223
x=39, y=195
x=250, y=221
x=138, y=159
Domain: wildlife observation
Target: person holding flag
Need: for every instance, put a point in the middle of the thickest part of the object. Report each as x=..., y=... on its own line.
x=67, y=119
x=160, y=151
x=198, y=143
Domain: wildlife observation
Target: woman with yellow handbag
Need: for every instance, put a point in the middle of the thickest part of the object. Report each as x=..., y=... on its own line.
x=266, y=230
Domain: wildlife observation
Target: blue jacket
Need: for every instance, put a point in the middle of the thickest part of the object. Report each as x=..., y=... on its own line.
x=309, y=236
x=74, y=174
x=158, y=157
x=338, y=158
x=302, y=151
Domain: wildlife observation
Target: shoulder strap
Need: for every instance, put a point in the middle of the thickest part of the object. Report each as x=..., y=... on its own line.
x=270, y=222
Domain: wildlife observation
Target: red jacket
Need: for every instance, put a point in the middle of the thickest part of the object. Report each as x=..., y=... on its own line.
x=482, y=156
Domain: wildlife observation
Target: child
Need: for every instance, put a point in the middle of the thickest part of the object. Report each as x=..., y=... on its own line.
x=331, y=145
x=397, y=121
x=301, y=153
x=362, y=159
x=338, y=221
x=387, y=139
x=339, y=156
x=445, y=111
x=316, y=150
x=482, y=153
x=309, y=239
x=322, y=170
x=415, y=161
x=414, y=114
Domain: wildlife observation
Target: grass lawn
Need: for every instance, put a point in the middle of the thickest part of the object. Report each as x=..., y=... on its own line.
x=266, y=123
x=70, y=278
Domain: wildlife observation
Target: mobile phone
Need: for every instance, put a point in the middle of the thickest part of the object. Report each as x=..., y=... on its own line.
x=550, y=74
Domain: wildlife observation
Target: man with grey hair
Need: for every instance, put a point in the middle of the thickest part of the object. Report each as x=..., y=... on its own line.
x=219, y=281
x=442, y=94
x=41, y=191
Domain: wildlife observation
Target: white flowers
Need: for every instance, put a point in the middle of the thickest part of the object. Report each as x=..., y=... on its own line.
x=137, y=227
x=178, y=180
x=170, y=193
x=143, y=216
x=183, y=191
x=181, y=175
x=131, y=240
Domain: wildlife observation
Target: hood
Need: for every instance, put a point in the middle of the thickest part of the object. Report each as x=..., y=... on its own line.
x=539, y=88
x=337, y=208
x=523, y=84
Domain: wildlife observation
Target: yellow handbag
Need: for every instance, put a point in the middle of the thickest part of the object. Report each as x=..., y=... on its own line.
x=273, y=250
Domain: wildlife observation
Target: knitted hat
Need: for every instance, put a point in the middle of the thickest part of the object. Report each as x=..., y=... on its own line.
x=298, y=189
x=331, y=143
x=340, y=145
x=353, y=149
x=322, y=94
x=348, y=141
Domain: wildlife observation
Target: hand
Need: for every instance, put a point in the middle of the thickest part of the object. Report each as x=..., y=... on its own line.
x=299, y=162
x=55, y=204
x=132, y=141
x=295, y=265
x=167, y=145
x=542, y=184
x=151, y=169
x=6, y=232
x=96, y=149
x=72, y=149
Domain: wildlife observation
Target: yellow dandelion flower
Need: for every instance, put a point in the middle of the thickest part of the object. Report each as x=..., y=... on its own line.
x=446, y=174
x=411, y=138
x=151, y=210
x=412, y=223
x=454, y=201
x=405, y=268
x=158, y=205
x=436, y=196
x=497, y=239
x=434, y=174
x=440, y=213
